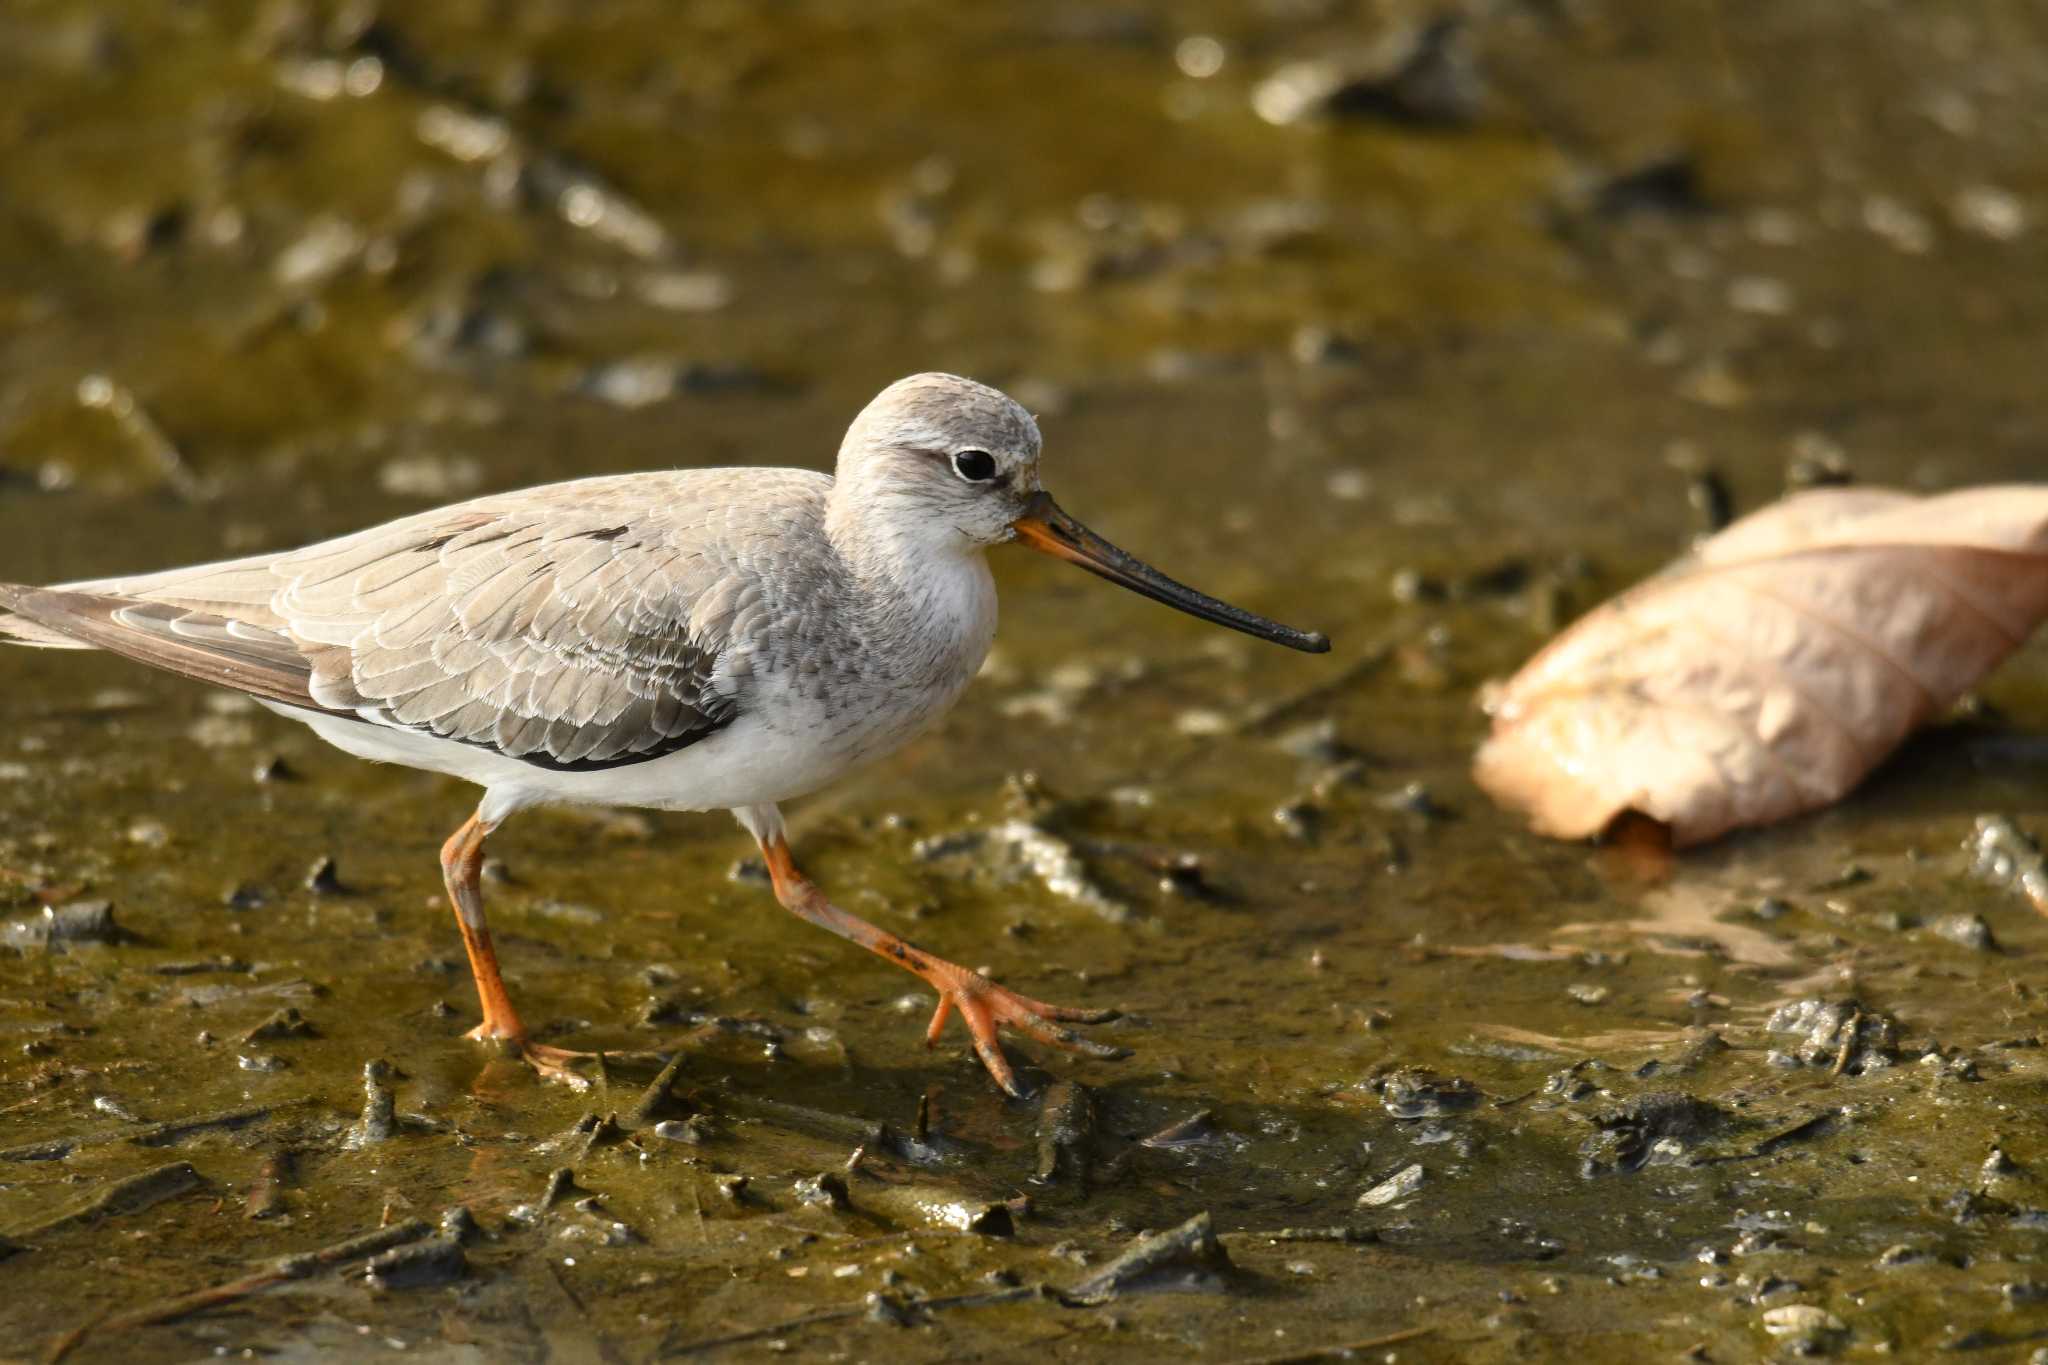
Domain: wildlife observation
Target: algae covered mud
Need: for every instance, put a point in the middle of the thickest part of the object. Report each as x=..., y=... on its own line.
x=1427, y=325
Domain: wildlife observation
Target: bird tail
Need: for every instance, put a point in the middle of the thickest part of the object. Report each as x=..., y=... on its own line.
x=19, y=629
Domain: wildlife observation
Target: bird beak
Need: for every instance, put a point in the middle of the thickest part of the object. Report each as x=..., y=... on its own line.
x=1047, y=529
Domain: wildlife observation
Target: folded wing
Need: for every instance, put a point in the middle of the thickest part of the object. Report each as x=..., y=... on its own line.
x=571, y=635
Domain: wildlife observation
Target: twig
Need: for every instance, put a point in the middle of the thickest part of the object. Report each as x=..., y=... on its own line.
x=1848, y=1047
x=284, y=1268
x=1191, y=1246
x=160, y=1134
x=66, y=1344
x=266, y=1192
x=803, y=1118
x=656, y=1094
x=132, y=1195
x=154, y=1135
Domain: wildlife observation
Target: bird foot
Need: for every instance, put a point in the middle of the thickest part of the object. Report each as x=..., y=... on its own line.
x=552, y=1063
x=984, y=1007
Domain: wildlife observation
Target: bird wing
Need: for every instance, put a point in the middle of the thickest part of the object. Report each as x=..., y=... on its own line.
x=577, y=626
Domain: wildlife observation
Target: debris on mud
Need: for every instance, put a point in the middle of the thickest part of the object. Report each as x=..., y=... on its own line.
x=1185, y=1258
x=1066, y=1129
x=1414, y=1093
x=60, y=926
x=1395, y=1187
x=1843, y=1036
x=134, y=1194
x=1422, y=75
x=2001, y=853
x=1658, y=1128
x=285, y=1023
x=417, y=1265
x=1046, y=856
x=1197, y=1129
x=379, y=1117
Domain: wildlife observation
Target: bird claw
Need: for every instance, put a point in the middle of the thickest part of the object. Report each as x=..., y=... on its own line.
x=550, y=1062
x=984, y=1007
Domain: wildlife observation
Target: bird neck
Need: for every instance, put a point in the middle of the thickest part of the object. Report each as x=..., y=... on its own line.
x=918, y=579
x=884, y=538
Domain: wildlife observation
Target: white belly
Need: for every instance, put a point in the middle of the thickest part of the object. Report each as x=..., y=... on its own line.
x=744, y=764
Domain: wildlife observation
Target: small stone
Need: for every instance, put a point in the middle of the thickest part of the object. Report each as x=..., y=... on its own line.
x=685, y=291
x=1419, y=75
x=2024, y=1293
x=323, y=880
x=1991, y=212
x=1760, y=294
x=693, y=1130
x=826, y=1190
x=1802, y=1319
x=286, y=1023
x=76, y=922
x=1587, y=994
x=274, y=769
x=1398, y=1186
x=242, y=896
x=1967, y=931
x=1300, y=819
x=635, y=382
x=888, y=1309
x=1417, y=1093
x=1905, y=228
x=327, y=247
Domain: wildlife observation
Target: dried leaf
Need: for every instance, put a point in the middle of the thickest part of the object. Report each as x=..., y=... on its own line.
x=1766, y=673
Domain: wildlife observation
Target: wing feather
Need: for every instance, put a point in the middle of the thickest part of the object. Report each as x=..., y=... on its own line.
x=572, y=626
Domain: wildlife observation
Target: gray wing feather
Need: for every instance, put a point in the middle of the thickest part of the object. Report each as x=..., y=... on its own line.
x=564, y=631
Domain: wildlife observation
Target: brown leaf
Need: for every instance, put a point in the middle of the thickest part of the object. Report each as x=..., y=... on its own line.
x=1766, y=673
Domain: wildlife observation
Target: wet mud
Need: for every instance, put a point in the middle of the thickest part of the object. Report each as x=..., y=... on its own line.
x=1424, y=326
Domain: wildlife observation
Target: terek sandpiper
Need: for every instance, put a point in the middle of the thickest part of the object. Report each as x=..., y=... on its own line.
x=690, y=640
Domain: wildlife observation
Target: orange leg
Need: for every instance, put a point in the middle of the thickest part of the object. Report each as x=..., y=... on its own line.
x=983, y=1005
x=462, y=865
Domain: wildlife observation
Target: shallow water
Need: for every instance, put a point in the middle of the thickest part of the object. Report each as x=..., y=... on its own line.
x=269, y=273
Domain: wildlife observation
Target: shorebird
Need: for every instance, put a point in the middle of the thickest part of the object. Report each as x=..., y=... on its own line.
x=692, y=640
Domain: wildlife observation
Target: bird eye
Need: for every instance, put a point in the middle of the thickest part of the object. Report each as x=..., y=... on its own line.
x=974, y=466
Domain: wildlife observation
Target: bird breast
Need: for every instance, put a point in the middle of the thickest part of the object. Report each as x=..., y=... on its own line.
x=891, y=657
